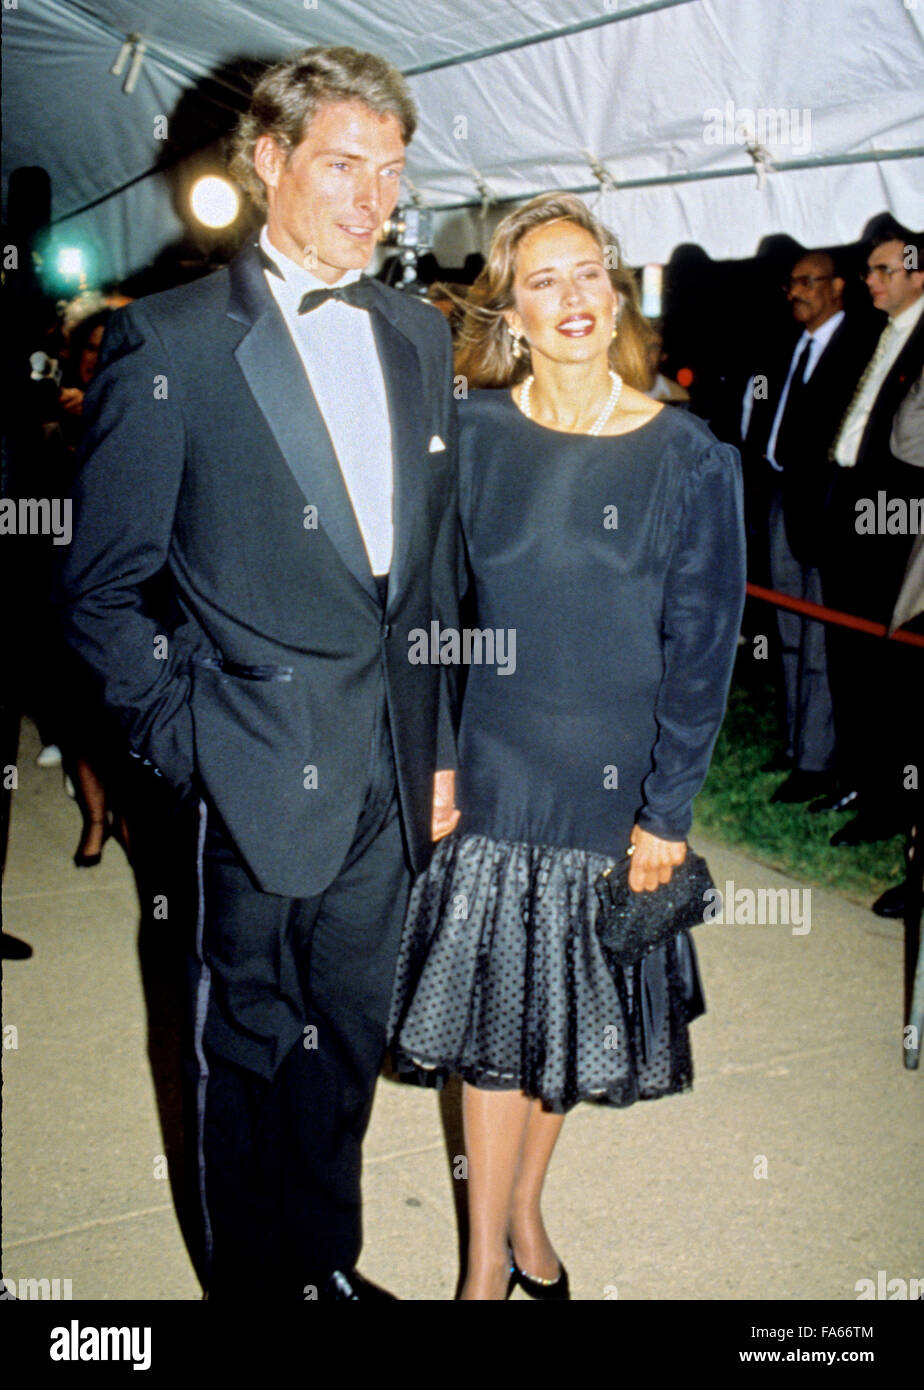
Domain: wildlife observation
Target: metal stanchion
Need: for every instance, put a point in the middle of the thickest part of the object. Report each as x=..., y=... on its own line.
x=913, y=934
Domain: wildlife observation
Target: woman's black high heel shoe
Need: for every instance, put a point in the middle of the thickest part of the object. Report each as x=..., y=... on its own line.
x=89, y=861
x=546, y=1290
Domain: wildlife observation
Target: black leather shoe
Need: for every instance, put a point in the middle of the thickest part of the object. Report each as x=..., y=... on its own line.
x=836, y=801
x=11, y=948
x=801, y=786
x=864, y=830
x=90, y=861
x=891, y=903
x=546, y=1290
x=347, y=1286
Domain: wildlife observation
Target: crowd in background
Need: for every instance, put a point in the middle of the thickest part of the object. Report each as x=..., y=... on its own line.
x=820, y=388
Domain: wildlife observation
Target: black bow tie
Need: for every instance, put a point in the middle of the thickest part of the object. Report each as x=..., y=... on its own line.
x=359, y=293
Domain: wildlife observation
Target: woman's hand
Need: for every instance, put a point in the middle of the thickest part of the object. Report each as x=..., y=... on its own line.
x=445, y=815
x=653, y=860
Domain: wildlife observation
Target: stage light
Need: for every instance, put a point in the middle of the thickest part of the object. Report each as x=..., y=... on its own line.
x=65, y=268
x=214, y=201
x=70, y=263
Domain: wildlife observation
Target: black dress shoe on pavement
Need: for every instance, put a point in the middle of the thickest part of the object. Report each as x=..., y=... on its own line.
x=90, y=861
x=14, y=949
x=836, y=801
x=801, y=786
x=891, y=903
x=546, y=1290
x=347, y=1286
x=864, y=830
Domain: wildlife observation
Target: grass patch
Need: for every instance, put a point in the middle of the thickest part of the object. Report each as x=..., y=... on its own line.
x=734, y=805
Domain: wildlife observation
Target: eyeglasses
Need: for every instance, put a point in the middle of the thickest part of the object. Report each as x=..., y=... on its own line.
x=803, y=282
x=881, y=272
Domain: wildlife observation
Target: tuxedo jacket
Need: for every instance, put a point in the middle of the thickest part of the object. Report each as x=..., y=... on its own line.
x=810, y=421
x=863, y=573
x=206, y=453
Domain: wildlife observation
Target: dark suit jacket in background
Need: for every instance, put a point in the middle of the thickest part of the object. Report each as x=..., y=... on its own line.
x=204, y=447
x=811, y=420
x=863, y=573
x=907, y=444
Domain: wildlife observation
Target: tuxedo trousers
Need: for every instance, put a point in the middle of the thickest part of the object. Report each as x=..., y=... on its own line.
x=291, y=1000
x=877, y=687
x=875, y=683
x=809, y=715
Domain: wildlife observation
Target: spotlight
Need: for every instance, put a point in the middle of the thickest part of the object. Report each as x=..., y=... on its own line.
x=70, y=263
x=214, y=201
x=65, y=267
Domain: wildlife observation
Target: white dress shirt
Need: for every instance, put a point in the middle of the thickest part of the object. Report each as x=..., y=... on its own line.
x=892, y=339
x=337, y=348
x=818, y=341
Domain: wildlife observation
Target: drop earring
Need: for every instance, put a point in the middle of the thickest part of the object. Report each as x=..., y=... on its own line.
x=518, y=342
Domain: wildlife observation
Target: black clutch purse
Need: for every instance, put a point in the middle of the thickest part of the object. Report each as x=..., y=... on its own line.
x=630, y=925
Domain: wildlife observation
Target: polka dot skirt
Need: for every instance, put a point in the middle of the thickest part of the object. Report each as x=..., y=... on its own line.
x=501, y=980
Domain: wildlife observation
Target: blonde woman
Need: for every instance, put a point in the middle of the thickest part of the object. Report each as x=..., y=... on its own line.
x=605, y=549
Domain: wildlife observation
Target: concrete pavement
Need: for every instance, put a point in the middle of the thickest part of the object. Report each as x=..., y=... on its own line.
x=791, y=1170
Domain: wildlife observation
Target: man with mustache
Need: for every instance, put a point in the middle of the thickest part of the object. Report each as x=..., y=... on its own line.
x=790, y=431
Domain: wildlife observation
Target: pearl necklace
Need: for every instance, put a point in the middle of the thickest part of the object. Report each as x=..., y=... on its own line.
x=606, y=412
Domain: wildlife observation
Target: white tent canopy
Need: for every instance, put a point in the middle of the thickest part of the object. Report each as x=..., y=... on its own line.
x=717, y=122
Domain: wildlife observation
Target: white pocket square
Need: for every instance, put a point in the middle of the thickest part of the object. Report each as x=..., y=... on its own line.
x=436, y=445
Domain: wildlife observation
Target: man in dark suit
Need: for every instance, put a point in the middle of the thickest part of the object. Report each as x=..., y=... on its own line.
x=289, y=456
x=789, y=434
x=876, y=684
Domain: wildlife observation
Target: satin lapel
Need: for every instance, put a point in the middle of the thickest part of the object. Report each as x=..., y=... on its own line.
x=273, y=369
x=403, y=387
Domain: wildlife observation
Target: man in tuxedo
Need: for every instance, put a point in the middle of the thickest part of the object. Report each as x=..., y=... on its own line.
x=790, y=432
x=280, y=436
x=875, y=683
x=907, y=444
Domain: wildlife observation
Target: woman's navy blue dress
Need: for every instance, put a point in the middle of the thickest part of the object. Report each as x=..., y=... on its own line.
x=610, y=571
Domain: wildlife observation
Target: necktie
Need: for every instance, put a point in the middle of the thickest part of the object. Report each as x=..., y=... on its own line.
x=857, y=396
x=360, y=293
x=788, y=435
x=798, y=376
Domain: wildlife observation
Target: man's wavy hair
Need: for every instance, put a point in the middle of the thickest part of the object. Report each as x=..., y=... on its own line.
x=286, y=98
x=485, y=349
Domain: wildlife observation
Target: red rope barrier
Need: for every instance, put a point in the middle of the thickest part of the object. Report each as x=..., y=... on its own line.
x=832, y=615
